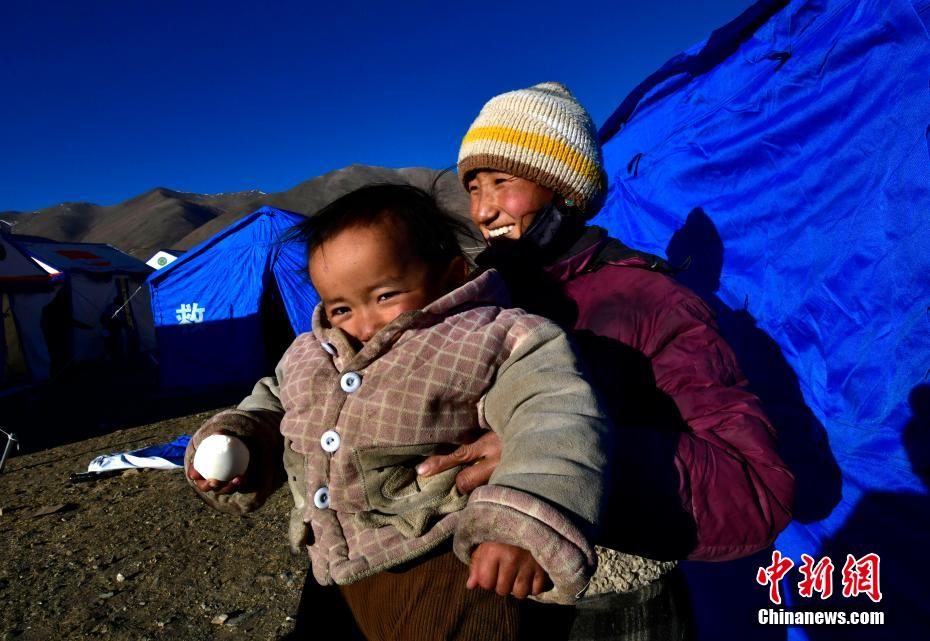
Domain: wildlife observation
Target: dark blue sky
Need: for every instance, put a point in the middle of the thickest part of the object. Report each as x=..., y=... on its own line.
x=100, y=101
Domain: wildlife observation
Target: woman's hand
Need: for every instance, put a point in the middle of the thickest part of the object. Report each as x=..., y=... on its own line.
x=485, y=454
x=506, y=569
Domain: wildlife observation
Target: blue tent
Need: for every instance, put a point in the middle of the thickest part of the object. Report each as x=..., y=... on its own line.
x=786, y=159
x=226, y=310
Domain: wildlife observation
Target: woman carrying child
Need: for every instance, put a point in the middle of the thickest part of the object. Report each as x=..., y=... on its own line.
x=407, y=358
x=696, y=472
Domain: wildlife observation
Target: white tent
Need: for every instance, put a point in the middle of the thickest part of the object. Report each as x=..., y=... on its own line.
x=27, y=286
x=67, y=303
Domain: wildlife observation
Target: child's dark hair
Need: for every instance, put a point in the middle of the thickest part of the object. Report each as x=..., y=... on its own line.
x=430, y=230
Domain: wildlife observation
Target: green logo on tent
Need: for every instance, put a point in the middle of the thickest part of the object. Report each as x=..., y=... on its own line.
x=162, y=261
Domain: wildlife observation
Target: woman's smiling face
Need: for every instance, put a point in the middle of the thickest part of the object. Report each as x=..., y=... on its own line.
x=504, y=205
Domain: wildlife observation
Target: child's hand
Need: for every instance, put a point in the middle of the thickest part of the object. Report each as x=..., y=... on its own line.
x=506, y=569
x=214, y=485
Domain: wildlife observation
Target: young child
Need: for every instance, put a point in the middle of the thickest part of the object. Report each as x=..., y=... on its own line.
x=407, y=359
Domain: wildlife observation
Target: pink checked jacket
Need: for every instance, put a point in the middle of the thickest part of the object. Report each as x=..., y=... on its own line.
x=353, y=425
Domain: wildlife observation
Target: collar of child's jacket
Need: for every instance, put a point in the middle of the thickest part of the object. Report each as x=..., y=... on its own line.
x=486, y=288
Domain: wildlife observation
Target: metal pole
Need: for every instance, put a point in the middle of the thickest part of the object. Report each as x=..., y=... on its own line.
x=10, y=439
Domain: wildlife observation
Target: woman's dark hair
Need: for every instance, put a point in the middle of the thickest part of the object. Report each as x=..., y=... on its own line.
x=430, y=231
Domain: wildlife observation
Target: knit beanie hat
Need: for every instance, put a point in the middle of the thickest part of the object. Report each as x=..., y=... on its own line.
x=544, y=135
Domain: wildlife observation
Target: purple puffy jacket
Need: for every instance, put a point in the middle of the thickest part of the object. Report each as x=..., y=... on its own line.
x=697, y=473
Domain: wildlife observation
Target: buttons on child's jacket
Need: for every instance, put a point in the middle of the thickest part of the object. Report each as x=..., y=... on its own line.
x=350, y=382
x=330, y=441
x=329, y=348
x=321, y=498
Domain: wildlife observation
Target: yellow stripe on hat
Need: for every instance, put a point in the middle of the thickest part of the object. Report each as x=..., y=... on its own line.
x=541, y=144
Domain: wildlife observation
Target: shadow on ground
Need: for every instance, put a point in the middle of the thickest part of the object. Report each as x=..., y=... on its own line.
x=97, y=399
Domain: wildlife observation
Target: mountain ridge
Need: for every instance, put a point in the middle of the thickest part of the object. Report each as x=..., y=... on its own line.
x=164, y=218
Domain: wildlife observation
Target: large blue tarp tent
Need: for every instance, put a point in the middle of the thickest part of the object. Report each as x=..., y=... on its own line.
x=786, y=160
x=226, y=310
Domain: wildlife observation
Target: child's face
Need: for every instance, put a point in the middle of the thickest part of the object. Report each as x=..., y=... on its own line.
x=504, y=205
x=366, y=277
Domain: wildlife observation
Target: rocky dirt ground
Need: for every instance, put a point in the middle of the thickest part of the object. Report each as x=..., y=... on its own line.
x=137, y=556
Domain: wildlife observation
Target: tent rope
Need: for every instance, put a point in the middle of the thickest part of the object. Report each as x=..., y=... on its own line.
x=126, y=302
